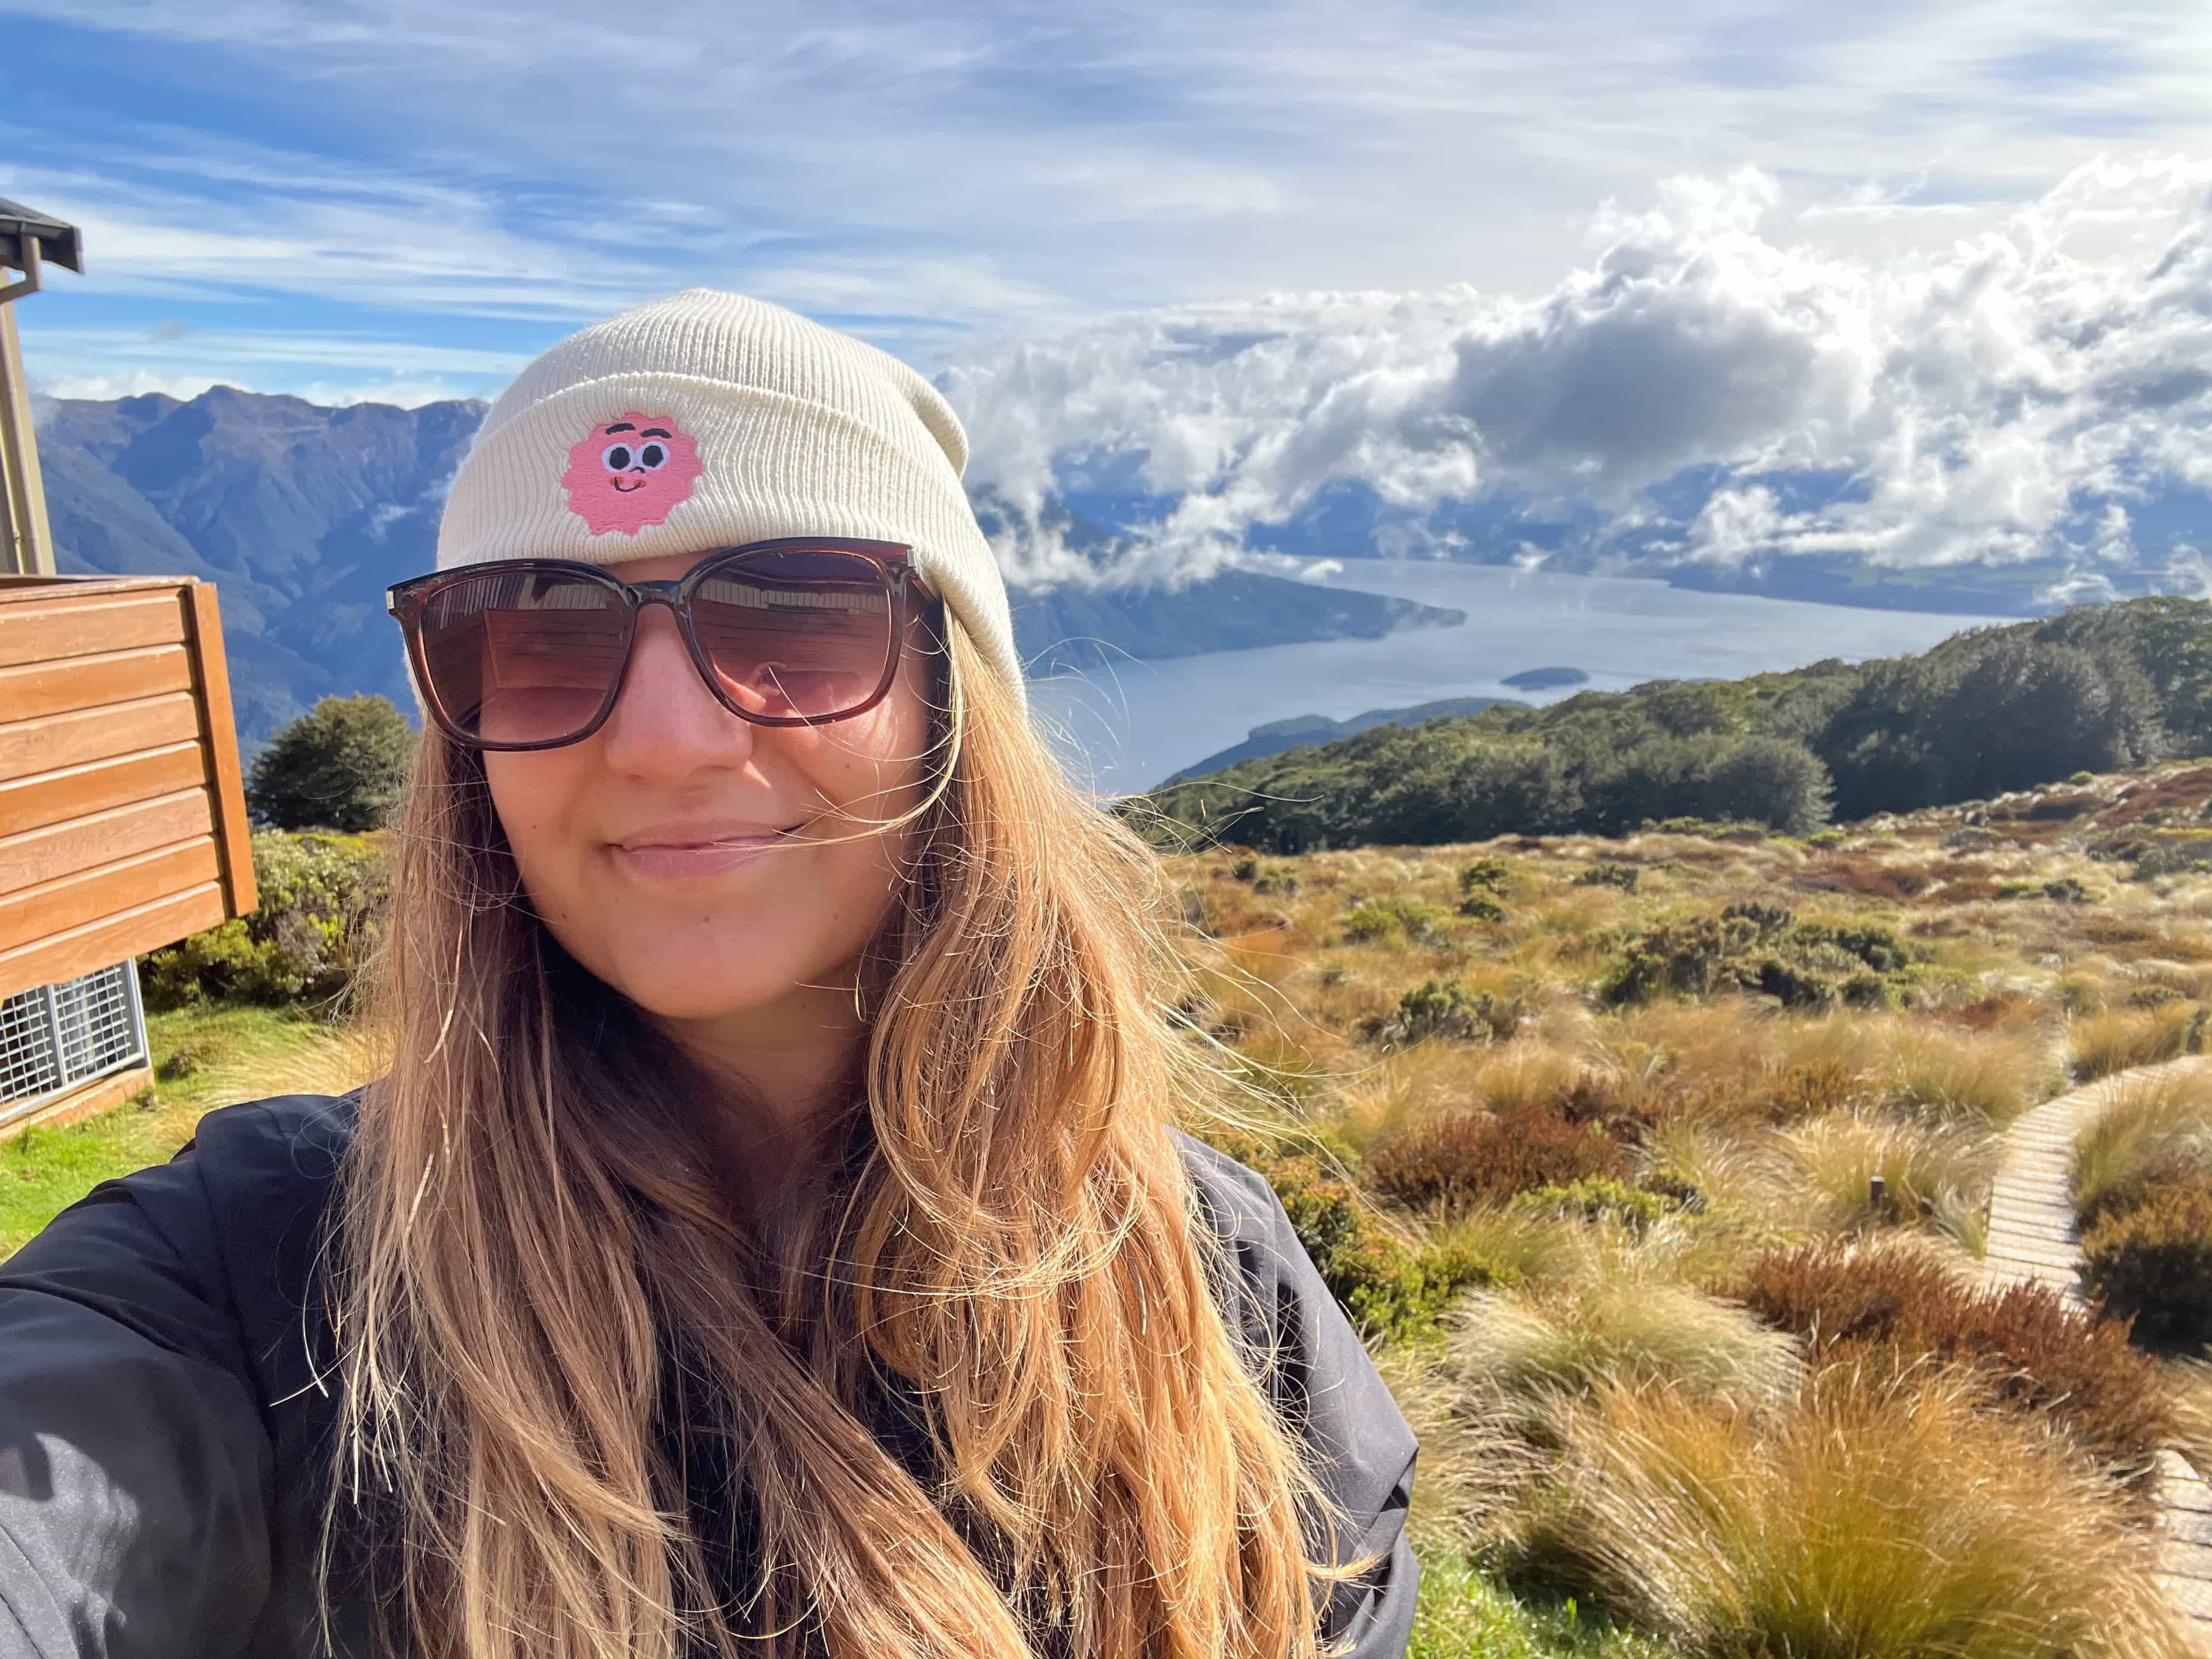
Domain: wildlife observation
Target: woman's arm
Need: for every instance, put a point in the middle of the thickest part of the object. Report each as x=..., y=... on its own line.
x=1323, y=1380
x=135, y=1471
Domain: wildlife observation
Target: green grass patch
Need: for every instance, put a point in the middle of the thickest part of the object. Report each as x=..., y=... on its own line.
x=205, y=1056
x=1461, y=1614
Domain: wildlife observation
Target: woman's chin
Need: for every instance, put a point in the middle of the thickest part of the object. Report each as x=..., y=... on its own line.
x=693, y=992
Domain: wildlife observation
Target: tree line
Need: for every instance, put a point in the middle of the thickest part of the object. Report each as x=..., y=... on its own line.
x=1987, y=711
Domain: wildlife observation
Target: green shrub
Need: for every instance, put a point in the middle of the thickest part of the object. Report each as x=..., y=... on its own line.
x=1387, y=1288
x=2179, y=856
x=2154, y=1262
x=1473, y=1157
x=2153, y=996
x=1763, y=948
x=340, y=766
x=321, y=896
x=1481, y=907
x=1493, y=876
x=2037, y=1353
x=1447, y=1009
x=1389, y=921
x=1626, y=877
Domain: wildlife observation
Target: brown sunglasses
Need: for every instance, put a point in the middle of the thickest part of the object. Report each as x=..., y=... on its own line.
x=530, y=653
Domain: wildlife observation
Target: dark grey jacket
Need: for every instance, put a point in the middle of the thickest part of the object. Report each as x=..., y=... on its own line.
x=164, y=1440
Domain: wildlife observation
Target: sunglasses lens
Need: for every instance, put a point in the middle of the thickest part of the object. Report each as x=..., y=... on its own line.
x=523, y=657
x=796, y=632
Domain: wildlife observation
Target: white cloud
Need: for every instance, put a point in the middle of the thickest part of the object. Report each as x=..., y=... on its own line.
x=2001, y=397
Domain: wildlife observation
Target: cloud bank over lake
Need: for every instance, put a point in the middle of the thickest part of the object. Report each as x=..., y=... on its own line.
x=1705, y=388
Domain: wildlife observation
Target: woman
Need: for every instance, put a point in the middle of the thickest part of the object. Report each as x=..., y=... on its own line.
x=767, y=1236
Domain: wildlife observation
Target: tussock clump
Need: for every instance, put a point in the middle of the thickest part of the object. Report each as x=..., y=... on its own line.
x=2154, y=1133
x=1831, y=1162
x=2110, y=1042
x=2192, y=1412
x=1881, y=1518
x=335, y=1061
x=1946, y=1074
x=1521, y=1245
x=2034, y=1353
x=1601, y=1198
x=1525, y=1347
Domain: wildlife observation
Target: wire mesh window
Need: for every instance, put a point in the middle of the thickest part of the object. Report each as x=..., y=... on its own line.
x=54, y=1037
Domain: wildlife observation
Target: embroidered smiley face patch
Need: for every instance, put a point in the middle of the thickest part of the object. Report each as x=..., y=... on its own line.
x=631, y=472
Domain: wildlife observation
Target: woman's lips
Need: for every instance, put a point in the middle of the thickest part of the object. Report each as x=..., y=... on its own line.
x=686, y=859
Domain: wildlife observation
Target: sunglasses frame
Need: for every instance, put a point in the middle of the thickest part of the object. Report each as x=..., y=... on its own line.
x=406, y=602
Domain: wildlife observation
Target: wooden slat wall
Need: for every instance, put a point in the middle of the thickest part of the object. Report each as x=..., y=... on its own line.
x=123, y=818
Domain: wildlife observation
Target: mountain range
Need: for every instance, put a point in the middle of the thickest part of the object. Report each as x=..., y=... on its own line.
x=302, y=515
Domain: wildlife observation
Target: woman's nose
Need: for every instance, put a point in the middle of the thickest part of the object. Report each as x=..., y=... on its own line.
x=666, y=722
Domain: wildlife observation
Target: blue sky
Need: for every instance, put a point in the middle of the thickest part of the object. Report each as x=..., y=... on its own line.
x=407, y=199
x=1914, y=282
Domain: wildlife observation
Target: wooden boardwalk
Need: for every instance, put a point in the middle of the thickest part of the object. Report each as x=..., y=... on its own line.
x=2031, y=1238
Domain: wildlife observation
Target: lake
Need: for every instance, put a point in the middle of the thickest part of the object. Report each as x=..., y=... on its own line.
x=1126, y=727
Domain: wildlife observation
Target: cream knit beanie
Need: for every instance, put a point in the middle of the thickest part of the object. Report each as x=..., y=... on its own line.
x=709, y=420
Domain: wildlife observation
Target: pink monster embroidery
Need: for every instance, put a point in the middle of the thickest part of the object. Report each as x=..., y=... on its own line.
x=631, y=472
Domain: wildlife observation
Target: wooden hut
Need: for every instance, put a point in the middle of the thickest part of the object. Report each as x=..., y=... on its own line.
x=122, y=822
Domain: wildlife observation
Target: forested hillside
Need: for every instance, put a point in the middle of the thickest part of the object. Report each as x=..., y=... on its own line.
x=2100, y=687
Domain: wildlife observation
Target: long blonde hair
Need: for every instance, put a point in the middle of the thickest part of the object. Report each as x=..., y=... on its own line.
x=550, y=1320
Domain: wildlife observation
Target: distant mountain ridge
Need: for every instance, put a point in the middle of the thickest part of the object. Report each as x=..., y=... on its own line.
x=302, y=515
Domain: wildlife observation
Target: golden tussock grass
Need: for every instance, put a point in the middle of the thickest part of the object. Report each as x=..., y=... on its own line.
x=1952, y=1075
x=2153, y=1129
x=1829, y=1163
x=1526, y=1346
x=2100, y=1044
x=334, y=1061
x=1878, y=1517
x=2192, y=1412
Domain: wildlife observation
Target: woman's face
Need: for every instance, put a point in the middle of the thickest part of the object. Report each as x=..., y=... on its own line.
x=720, y=874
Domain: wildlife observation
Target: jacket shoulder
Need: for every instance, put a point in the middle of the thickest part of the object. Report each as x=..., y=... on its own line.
x=211, y=1252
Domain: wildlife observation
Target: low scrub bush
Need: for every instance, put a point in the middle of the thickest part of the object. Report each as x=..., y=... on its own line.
x=1479, y=1157
x=321, y=899
x=1448, y=1009
x=1387, y=1287
x=2035, y=1353
x=1391, y=921
x=1491, y=876
x=1880, y=1518
x=2154, y=1262
x=1626, y=877
x=1765, y=950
